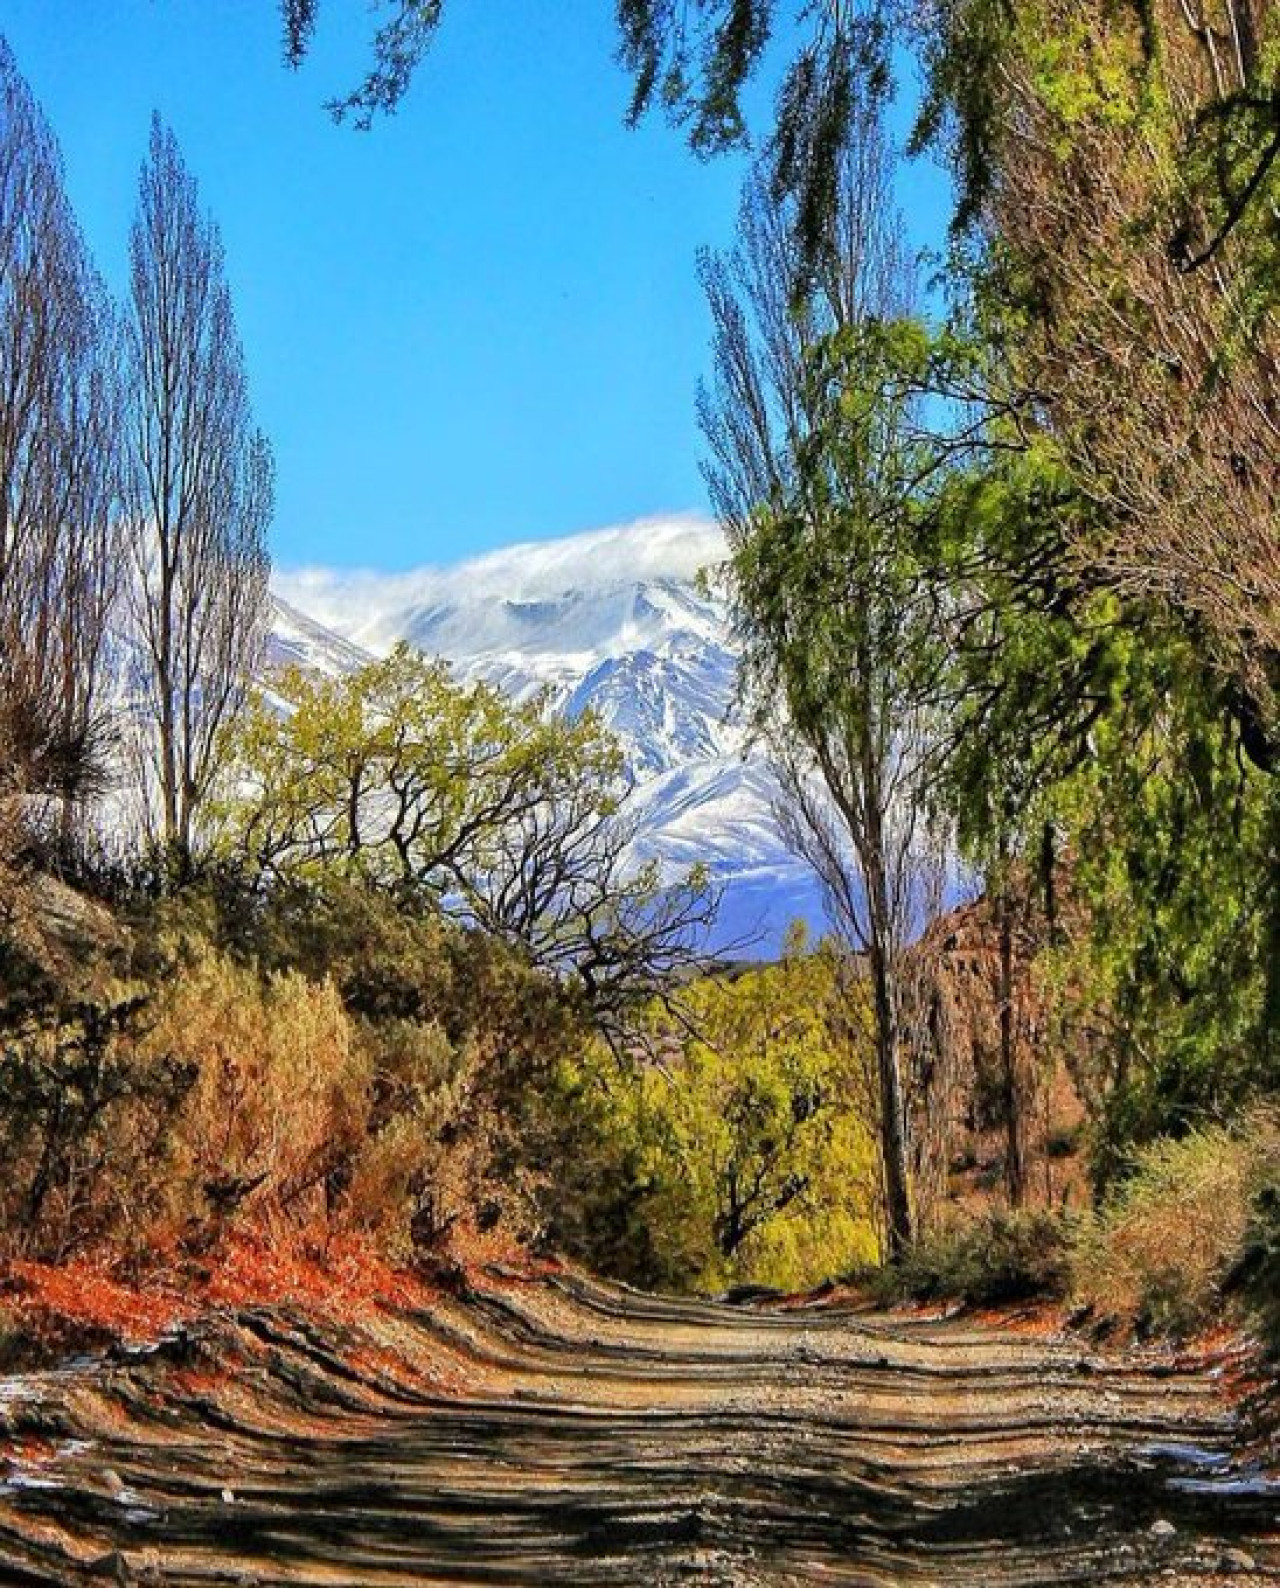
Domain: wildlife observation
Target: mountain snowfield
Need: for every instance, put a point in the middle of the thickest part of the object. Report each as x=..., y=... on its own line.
x=616, y=621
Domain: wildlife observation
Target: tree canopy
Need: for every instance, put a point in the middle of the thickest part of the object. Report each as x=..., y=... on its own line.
x=509, y=816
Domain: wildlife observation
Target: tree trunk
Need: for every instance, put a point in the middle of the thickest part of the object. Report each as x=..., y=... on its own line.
x=1015, y=1157
x=893, y=1134
x=881, y=961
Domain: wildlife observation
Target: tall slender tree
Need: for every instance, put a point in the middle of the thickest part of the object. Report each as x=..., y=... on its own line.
x=201, y=485
x=60, y=523
x=818, y=461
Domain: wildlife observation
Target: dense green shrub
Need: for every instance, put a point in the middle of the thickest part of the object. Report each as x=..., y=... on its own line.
x=1000, y=1257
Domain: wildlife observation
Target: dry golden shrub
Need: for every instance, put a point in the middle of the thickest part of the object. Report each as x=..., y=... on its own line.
x=280, y=1101
x=86, y=1116
x=418, y=1133
x=1158, y=1251
x=385, y=1183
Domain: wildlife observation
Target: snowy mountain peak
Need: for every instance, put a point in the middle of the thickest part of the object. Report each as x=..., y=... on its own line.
x=617, y=622
x=520, y=591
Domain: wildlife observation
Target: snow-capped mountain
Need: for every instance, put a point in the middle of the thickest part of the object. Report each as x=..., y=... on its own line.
x=617, y=621
x=295, y=640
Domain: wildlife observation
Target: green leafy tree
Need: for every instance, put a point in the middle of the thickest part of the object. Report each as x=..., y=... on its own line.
x=1026, y=678
x=507, y=816
x=735, y=1146
x=1095, y=756
x=840, y=623
x=821, y=464
x=1175, y=857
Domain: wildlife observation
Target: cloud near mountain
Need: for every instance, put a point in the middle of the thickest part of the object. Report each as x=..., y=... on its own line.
x=366, y=606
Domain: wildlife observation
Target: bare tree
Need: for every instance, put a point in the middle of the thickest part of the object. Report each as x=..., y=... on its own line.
x=818, y=455
x=201, y=486
x=60, y=524
x=559, y=880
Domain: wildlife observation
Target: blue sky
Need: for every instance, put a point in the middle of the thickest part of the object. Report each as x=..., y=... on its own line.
x=477, y=324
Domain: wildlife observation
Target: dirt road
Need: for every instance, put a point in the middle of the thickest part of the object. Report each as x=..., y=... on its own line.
x=557, y=1430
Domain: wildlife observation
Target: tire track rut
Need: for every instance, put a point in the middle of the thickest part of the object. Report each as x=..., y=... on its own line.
x=563, y=1430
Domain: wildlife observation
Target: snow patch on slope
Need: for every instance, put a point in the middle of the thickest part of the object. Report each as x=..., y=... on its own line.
x=295, y=640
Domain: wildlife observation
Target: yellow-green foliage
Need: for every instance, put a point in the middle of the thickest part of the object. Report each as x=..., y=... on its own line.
x=1159, y=1249
x=1081, y=73
x=396, y=773
x=731, y=1149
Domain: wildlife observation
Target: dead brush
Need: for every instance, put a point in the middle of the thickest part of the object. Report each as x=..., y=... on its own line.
x=1158, y=1253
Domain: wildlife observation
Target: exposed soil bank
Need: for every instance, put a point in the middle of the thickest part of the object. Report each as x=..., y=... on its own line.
x=554, y=1430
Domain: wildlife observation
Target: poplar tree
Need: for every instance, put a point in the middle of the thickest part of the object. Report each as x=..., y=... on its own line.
x=60, y=524
x=819, y=457
x=200, y=489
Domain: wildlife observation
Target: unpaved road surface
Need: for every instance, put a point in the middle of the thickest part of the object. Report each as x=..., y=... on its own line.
x=559, y=1431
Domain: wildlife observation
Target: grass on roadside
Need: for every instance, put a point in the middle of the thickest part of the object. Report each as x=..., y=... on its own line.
x=1000, y=1257
x=1164, y=1252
